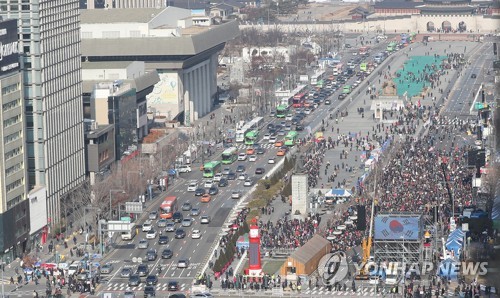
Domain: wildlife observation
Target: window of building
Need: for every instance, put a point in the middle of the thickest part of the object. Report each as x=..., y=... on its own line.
x=14, y=169
x=12, y=137
x=13, y=153
x=11, y=88
x=11, y=105
x=10, y=187
x=14, y=201
x=11, y=121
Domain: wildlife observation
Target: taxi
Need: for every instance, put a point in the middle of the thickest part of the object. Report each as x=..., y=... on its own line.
x=250, y=151
x=205, y=198
x=278, y=144
x=281, y=152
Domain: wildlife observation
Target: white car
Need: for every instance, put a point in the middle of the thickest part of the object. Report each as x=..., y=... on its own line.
x=147, y=226
x=192, y=186
x=272, y=140
x=236, y=194
x=196, y=234
x=248, y=182
x=252, y=158
x=271, y=160
x=184, y=169
x=242, y=176
x=289, y=117
x=242, y=156
x=307, y=111
x=266, y=136
x=151, y=234
x=208, y=184
x=217, y=177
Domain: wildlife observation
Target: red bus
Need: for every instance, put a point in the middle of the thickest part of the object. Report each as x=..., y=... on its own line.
x=168, y=207
x=363, y=50
x=298, y=100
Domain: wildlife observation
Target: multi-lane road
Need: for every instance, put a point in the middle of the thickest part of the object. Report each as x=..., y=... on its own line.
x=221, y=205
x=196, y=250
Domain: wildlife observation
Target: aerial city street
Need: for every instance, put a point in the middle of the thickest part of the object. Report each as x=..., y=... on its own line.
x=232, y=148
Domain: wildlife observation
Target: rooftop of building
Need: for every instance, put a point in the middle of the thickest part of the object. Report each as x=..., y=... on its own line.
x=147, y=80
x=106, y=65
x=119, y=15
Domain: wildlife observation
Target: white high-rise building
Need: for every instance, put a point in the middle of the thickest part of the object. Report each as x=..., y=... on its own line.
x=51, y=62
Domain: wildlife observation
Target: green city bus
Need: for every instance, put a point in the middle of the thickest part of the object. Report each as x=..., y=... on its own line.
x=211, y=168
x=391, y=47
x=291, y=138
x=251, y=137
x=229, y=155
x=281, y=111
x=320, y=84
x=363, y=66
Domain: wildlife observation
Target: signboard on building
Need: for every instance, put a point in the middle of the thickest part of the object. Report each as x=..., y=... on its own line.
x=38, y=209
x=165, y=95
x=9, y=47
x=300, y=189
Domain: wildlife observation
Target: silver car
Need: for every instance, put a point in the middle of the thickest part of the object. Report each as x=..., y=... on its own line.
x=107, y=269
x=195, y=211
x=143, y=243
x=187, y=222
x=170, y=227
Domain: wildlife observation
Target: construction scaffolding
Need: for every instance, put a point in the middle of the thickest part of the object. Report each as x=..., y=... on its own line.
x=399, y=238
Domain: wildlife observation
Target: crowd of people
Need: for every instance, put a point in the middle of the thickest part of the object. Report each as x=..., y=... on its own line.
x=288, y=233
x=57, y=279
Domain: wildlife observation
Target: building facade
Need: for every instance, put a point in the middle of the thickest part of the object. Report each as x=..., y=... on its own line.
x=186, y=67
x=14, y=210
x=50, y=46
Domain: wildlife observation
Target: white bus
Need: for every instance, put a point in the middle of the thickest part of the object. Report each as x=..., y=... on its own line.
x=130, y=233
x=254, y=124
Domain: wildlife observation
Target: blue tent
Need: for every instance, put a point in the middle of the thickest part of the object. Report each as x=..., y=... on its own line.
x=338, y=192
x=455, y=237
x=449, y=269
x=455, y=246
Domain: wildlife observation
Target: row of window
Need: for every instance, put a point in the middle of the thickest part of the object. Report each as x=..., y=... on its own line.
x=10, y=187
x=103, y=156
x=14, y=169
x=11, y=105
x=14, y=201
x=11, y=121
x=12, y=137
x=13, y=153
x=11, y=88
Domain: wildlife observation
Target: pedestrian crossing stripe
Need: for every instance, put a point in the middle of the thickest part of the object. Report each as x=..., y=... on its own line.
x=125, y=287
x=264, y=145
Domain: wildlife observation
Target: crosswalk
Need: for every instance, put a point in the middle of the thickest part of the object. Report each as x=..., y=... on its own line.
x=117, y=286
x=359, y=292
x=263, y=145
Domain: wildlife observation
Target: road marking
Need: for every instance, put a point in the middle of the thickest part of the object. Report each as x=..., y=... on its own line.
x=198, y=244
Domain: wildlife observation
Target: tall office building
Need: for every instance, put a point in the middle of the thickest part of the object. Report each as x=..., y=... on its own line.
x=14, y=208
x=50, y=45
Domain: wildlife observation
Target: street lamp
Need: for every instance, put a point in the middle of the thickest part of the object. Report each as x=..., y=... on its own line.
x=110, y=193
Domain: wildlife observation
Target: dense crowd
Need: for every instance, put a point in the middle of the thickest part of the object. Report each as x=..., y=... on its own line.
x=288, y=233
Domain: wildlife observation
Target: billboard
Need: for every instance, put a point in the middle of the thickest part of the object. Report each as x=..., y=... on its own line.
x=9, y=47
x=394, y=227
x=164, y=98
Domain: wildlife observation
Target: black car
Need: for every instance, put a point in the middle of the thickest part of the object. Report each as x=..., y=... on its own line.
x=177, y=217
x=167, y=254
x=327, y=102
x=149, y=291
x=142, y=270
x=299, y=128
x=173, y=286
x=134, y=280
x=151, y=255
x=213, y=191
x=473, y=76
x=180, y=233
x=177, y=295
x=231, y=176
x=342, y=96
x=163, y=239
x=260, y=150
x=240, y=168
x=296, y=120
x=199, y=192
x=222, y=182
x=259, y=171
x=270, y=126
x=151, y=280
